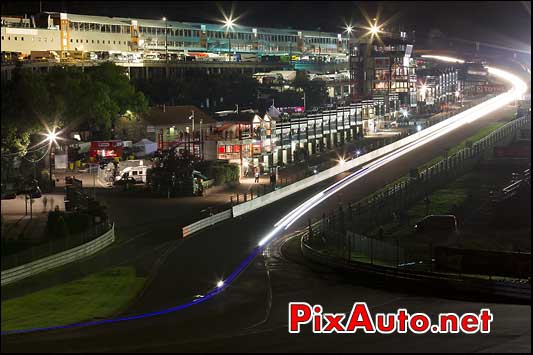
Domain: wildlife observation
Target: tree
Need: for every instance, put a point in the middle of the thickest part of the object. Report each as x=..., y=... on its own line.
x=222, y=90
x=288, y=98
x=25, y=109
x=94, y=99
x=315, y=90
x=121, y=91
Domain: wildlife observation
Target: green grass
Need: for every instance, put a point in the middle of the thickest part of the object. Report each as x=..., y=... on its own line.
x=441, y=202
x=95, y=296
x=479, y=135
x=474, y=138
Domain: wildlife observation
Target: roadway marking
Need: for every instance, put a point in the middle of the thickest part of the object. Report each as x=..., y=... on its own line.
x=518, y=87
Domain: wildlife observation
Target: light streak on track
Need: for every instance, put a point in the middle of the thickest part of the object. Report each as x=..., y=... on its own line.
x=463, y=118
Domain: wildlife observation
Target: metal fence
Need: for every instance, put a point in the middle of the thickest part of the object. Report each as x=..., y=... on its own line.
x=389, y=203
x=344, y=232
x=53, y=247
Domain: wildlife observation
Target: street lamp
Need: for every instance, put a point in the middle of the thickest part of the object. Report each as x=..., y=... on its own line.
x=51, y=137
x=374, y=29
x=191, y=117
x=349, y=29
x=228, y=24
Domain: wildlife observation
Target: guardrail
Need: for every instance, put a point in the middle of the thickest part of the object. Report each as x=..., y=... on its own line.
x=390, y=203
x=341, y=248
x=206, y=222
x=513, y=188
x=271, y=197
x=508, y=289
x=327, y=174
x=53, y=261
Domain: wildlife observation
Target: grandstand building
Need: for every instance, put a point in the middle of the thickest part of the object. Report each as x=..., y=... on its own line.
x=64, y=32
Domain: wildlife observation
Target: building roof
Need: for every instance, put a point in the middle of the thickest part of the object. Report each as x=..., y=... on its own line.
x=174, y=115
x=243, y=116
x=191, y=25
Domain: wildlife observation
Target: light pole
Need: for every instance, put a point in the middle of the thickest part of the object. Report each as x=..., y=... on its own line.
x=166, y=42
x=228, y=24
x=191, y=117
x=51, y=137
x=50, y=167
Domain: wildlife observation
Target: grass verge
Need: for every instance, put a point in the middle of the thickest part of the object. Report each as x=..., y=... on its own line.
x=441, y=202
x=95, y=296
x=474, y=138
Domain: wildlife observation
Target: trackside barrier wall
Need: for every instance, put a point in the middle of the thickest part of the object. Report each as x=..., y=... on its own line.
x=56, y=260
x=351, y=164
x=206, y=222
x=460, y=283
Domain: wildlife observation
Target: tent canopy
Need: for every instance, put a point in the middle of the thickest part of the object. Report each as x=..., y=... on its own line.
x=145, y=146
x=144, y=141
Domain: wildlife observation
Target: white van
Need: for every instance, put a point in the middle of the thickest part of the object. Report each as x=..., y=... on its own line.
x=136, y=172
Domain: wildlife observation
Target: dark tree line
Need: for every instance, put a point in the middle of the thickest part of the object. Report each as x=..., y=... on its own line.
x=215, y=92
x=67, y=98
x=212, y=92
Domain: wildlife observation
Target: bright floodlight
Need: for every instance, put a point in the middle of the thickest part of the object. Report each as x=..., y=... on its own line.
x=220, y=284
x=164, y=18
x=229, y=23
x=51, y=136
x=404, y=112
x=374, y=29
x=342, y=161
x=349, y=29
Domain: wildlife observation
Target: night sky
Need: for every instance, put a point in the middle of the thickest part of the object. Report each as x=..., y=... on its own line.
x=500, y=23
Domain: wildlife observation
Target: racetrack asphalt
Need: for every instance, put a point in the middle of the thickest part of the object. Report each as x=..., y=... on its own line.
x=251, y=315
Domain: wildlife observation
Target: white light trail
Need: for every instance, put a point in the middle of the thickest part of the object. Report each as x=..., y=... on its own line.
x=463, y=118
x=443, y=58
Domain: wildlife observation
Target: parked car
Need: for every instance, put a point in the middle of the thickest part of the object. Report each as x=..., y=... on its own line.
x=437, y=224
x=8, y=192
x=312, y=170
x=35, y=192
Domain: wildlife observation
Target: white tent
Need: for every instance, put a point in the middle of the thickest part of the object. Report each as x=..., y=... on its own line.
x=144, y=147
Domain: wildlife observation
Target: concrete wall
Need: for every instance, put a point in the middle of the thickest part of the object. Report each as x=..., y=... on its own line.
x=53, y=261
x=327, y=174
x=206, y=222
